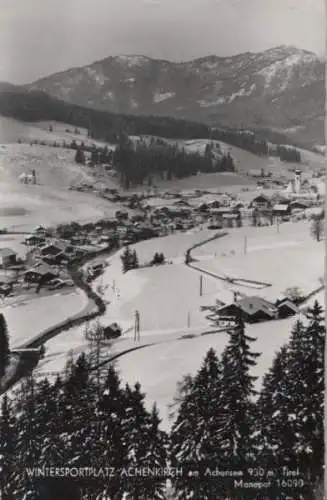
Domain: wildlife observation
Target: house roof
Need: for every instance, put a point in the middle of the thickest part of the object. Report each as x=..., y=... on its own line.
x=252, y=305
x=280, y=207
x=261, y=197
x=61, y=245
x=279, y=198
x=286, y=302
x=302, y=203
x=230, y=216
x=7, y=252
x=221, y=210
x=42, y=268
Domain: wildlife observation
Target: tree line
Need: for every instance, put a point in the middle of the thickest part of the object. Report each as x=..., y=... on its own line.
x=250, y=141
x=139, y=163
x=219, y=418
x=102, y=125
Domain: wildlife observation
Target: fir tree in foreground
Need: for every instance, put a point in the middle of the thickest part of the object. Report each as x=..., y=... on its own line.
x=291, y=402
x=4, y=345
x=194, y=440
x=7, y=449
x=310, y=410
x=276, y=436
x=111, y=440
x=237, y=427
x=73, y=423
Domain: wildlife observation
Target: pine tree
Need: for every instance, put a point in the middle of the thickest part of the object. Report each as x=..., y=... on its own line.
x=127, y=259
x=276, y=437
x=310, y=385
x=48, y=437
x=135, y=261
x=291, y=402
x=156, y=456
x=238, y=422
x=4, y=345
x=80, y=156
x=8, y=450
x=76, y=412
x=137, y=428
x=111, y=441
x=194, y=439
x=161, y=258
x=155, y=259
x=94, y=156
x=28, y=451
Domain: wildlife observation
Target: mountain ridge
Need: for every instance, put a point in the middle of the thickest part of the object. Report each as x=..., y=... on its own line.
x=281, y=89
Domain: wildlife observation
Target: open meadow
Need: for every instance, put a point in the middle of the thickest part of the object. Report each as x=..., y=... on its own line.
x=26, y=319
x=24, y=206
x=169, y=303
x=168, y=299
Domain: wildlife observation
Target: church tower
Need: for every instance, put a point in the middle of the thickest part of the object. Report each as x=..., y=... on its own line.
x=297, y=181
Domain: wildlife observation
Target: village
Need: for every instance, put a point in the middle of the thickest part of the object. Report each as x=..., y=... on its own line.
x=143, y=216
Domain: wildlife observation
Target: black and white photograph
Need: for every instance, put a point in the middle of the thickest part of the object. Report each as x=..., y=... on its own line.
x=162, y=248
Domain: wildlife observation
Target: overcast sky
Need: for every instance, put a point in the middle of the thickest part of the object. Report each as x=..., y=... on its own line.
x=40, y=37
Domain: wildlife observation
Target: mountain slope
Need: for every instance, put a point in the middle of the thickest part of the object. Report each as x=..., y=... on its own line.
x=281, y=89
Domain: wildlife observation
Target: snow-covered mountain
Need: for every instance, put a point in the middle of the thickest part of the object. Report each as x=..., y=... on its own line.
x=281, y=88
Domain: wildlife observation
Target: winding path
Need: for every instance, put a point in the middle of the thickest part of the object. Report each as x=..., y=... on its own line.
x=95, y=307
x=89, y=313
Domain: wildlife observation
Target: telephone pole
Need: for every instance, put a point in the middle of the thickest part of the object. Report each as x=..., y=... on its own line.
x=137, y=326
x=245, y=244
x=201, y=285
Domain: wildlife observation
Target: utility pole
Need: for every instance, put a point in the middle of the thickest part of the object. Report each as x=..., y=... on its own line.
x=245, y=244
x=201, y=285
x=188, y=319
x=137, y=327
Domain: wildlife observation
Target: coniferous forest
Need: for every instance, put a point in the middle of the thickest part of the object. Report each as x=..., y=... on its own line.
x=102, y=125
x=141, y=163
x=85, y=418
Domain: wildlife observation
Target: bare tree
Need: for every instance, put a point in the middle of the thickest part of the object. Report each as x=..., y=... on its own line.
x=100, y=351
x=293, y=293
x=184, y=387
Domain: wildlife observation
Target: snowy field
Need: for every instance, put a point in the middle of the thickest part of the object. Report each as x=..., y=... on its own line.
x=290, y=258
x=258, y=238
x=14, y=242
x=49, y=202
x=159, y=368
x=169, y=303
x=167, y=297
x=12, y=131
x=28, y=319
x=172, y=246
